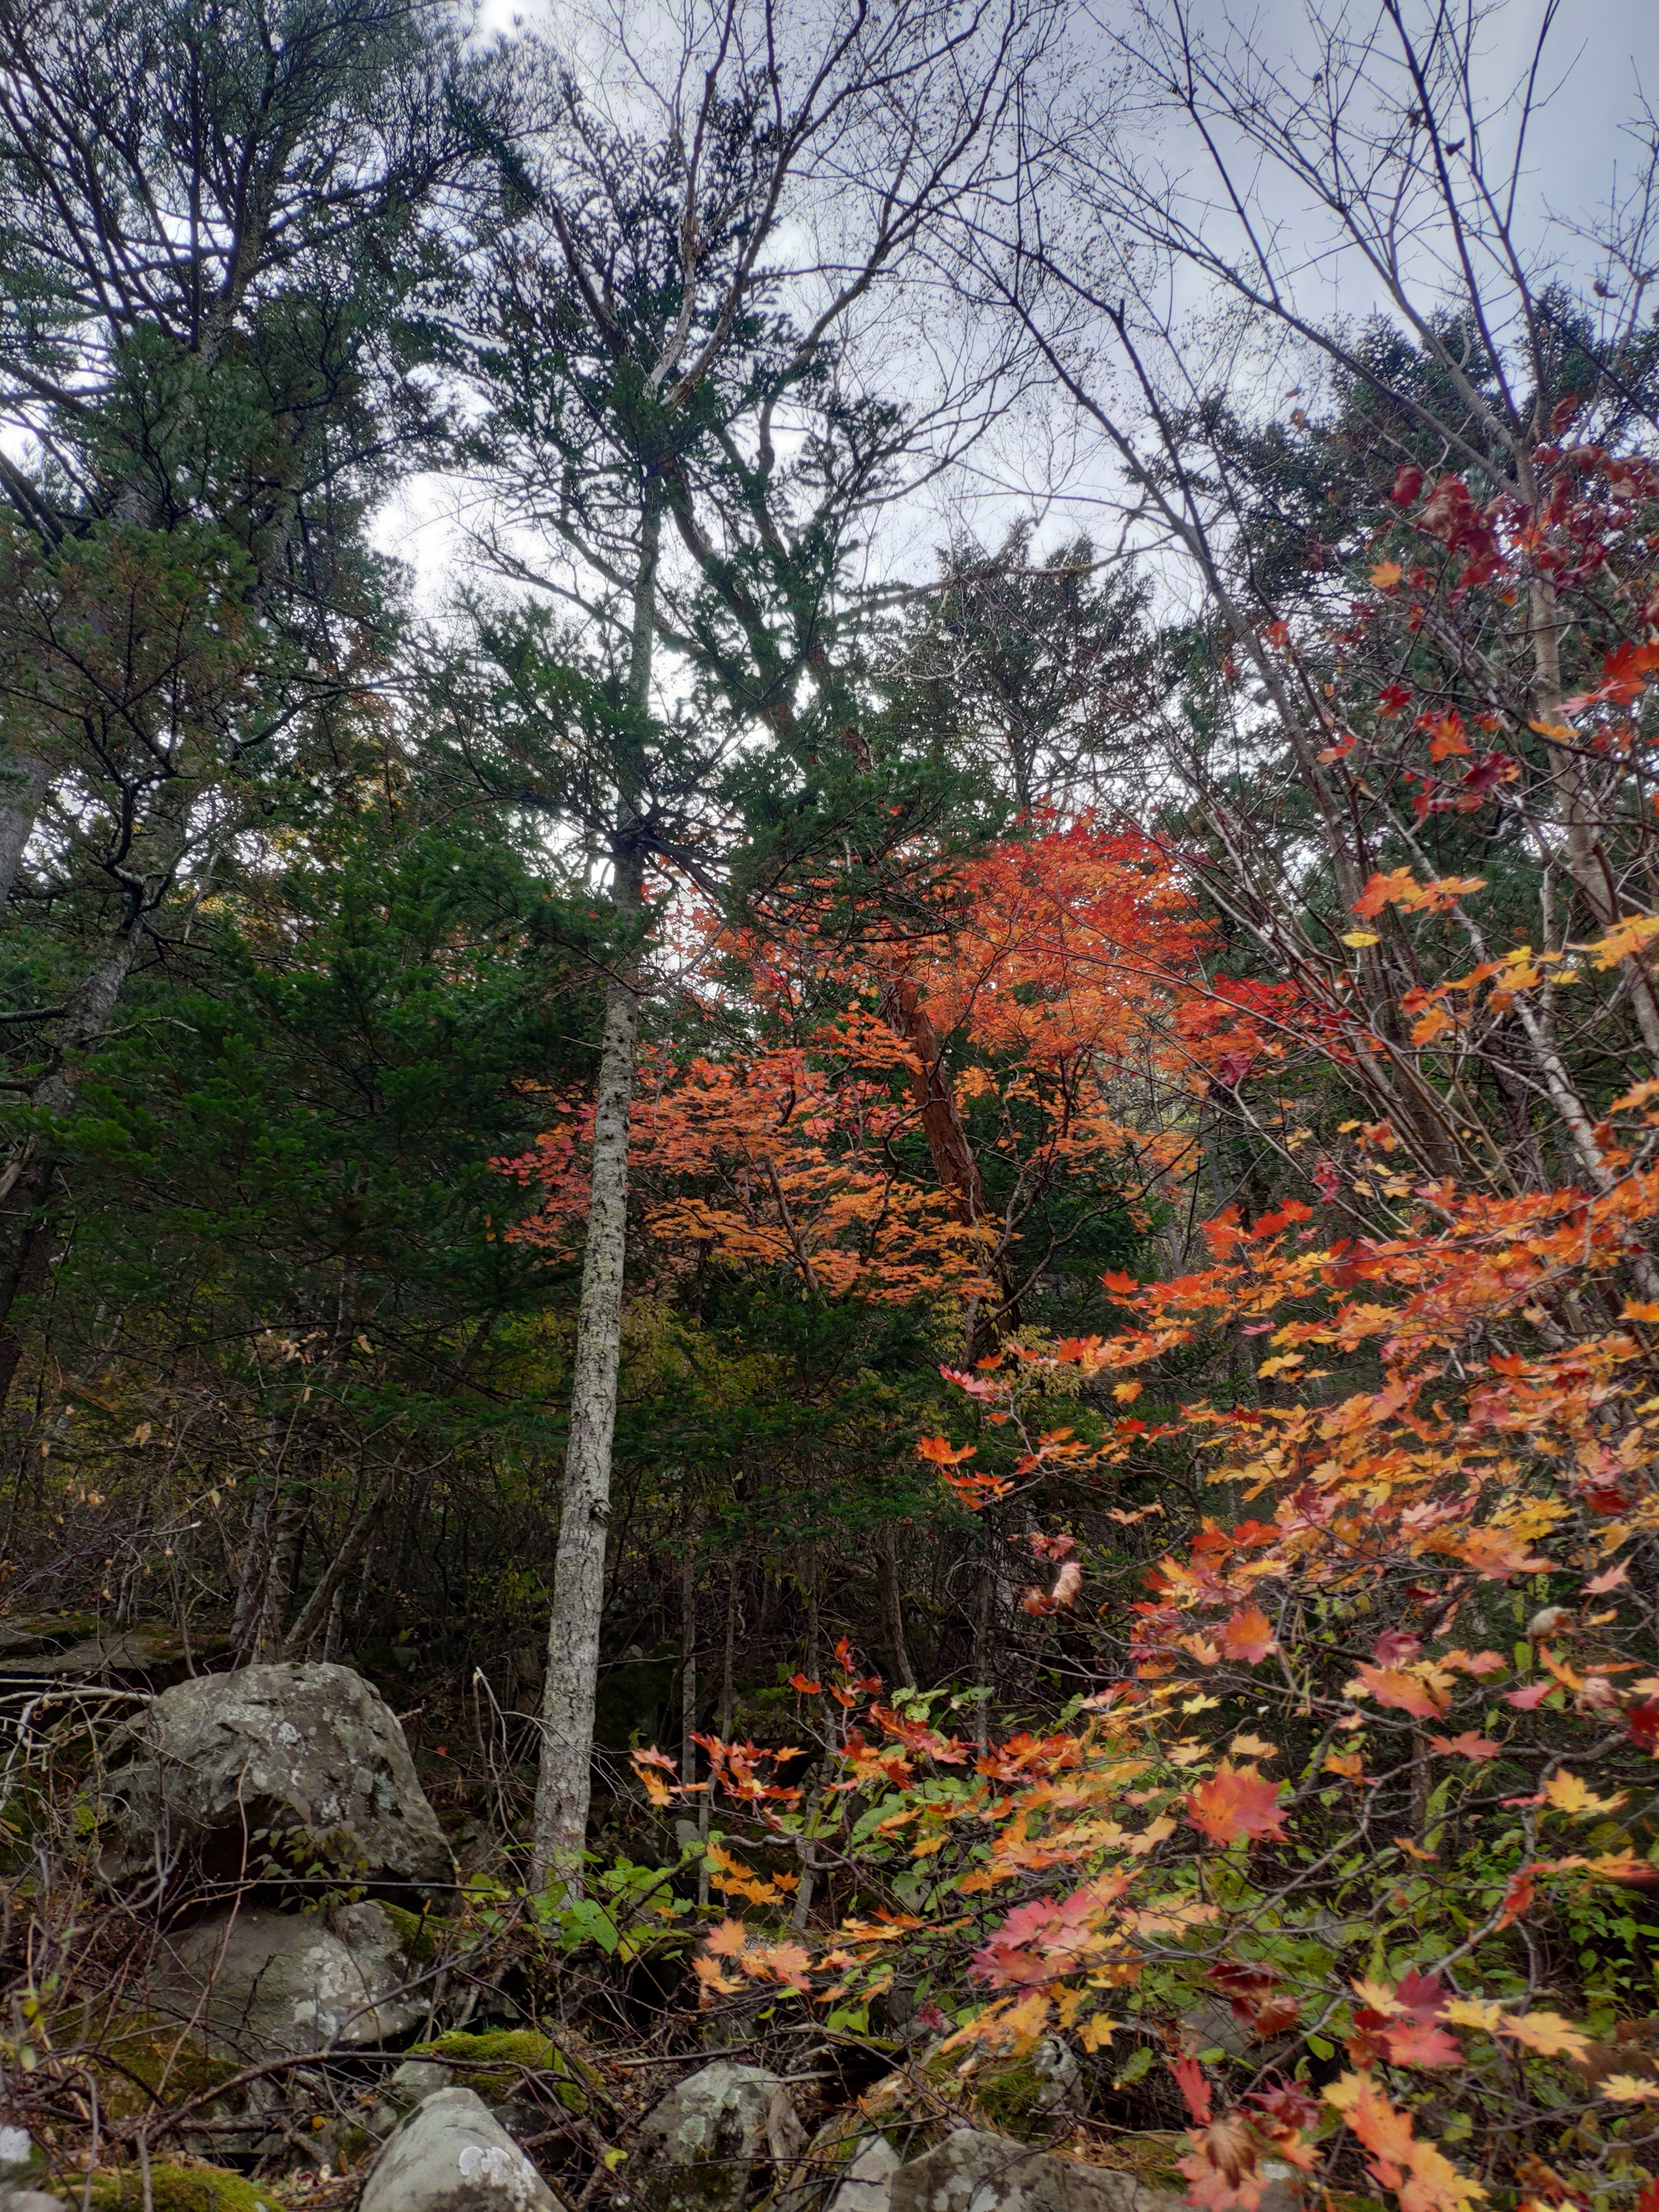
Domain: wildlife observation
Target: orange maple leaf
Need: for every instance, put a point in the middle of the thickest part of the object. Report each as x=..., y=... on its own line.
x=1237, y=1801
x=1247, y=1634
x=1404, y=1691
x=727, y=1941
x=1496, y=1553
x=1467, y=1745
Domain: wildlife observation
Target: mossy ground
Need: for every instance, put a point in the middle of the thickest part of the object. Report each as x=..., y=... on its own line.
x=143, y=2054
x=183, y=2188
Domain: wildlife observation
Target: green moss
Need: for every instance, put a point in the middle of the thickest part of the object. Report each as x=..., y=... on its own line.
x=415, y=1934
x=1006, y=2092
x=494, y=2063
x=169, y=2064
x=351, y=2144
x=183, y=2188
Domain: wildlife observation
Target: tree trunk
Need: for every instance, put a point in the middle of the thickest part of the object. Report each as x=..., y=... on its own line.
x=22, y=787
x=892, y=1611
x=28, y=1226
x=327, y=1601
x=689, y=1662
x=729, y=1660
x=564, y=1785
x=1587, y=857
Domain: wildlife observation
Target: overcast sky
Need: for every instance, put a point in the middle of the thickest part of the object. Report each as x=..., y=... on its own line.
x=1602, y=59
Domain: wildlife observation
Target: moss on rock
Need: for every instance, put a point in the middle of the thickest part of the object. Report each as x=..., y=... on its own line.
x=183, y=2188
x=494, y=2063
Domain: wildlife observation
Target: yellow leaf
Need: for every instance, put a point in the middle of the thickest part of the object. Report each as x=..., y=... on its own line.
x=1096, y=2033
x=1387, y=574
x=1626, y=936
x=1473, y=2012
x=1631, y=2089
x=1025, y=2021
x=1548, y=2034
x=1379, y=1996
x=1569, y=1794
x=1357, y=937
x=1250, y=1746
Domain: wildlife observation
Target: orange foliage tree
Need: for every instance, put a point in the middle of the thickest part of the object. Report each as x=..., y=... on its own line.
x=1050, y=980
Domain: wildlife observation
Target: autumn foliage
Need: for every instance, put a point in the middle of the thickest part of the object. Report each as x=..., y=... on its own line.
x=1344, y=1536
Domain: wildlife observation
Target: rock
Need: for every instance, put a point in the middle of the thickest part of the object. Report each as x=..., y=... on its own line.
x=310, y=1755
x=710, y=2144
x=146, y=1657
x=865, y=2185
x=416, y=2078
x=30, y=2200
x=449, y=2155
x=1286, y=2186
x=972, y=2172
x=260, y=1983
x=1060, y=2078
x=16, y=2151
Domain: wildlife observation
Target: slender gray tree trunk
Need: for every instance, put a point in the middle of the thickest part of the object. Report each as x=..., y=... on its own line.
x=689, y=1660
x=564, y=1785
x=22, y=787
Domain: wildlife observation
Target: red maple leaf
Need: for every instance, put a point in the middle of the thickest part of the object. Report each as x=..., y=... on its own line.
x=1194, y=2088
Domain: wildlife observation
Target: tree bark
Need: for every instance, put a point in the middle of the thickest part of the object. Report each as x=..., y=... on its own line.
x=892, y=1610
x=22, y=787
x=689, y=1660
x=564, y=1783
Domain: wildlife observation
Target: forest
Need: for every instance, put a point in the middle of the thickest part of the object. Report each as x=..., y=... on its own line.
x=830, y=1131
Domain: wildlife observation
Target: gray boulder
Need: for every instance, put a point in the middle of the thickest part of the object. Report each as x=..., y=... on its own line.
x=715, y=2142
x=973, y=2172
x=17, y=2153
x=449, y=2155
x=866, y=2180
x=259, y=1983
x=251, y=1774
x=30, y=2200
